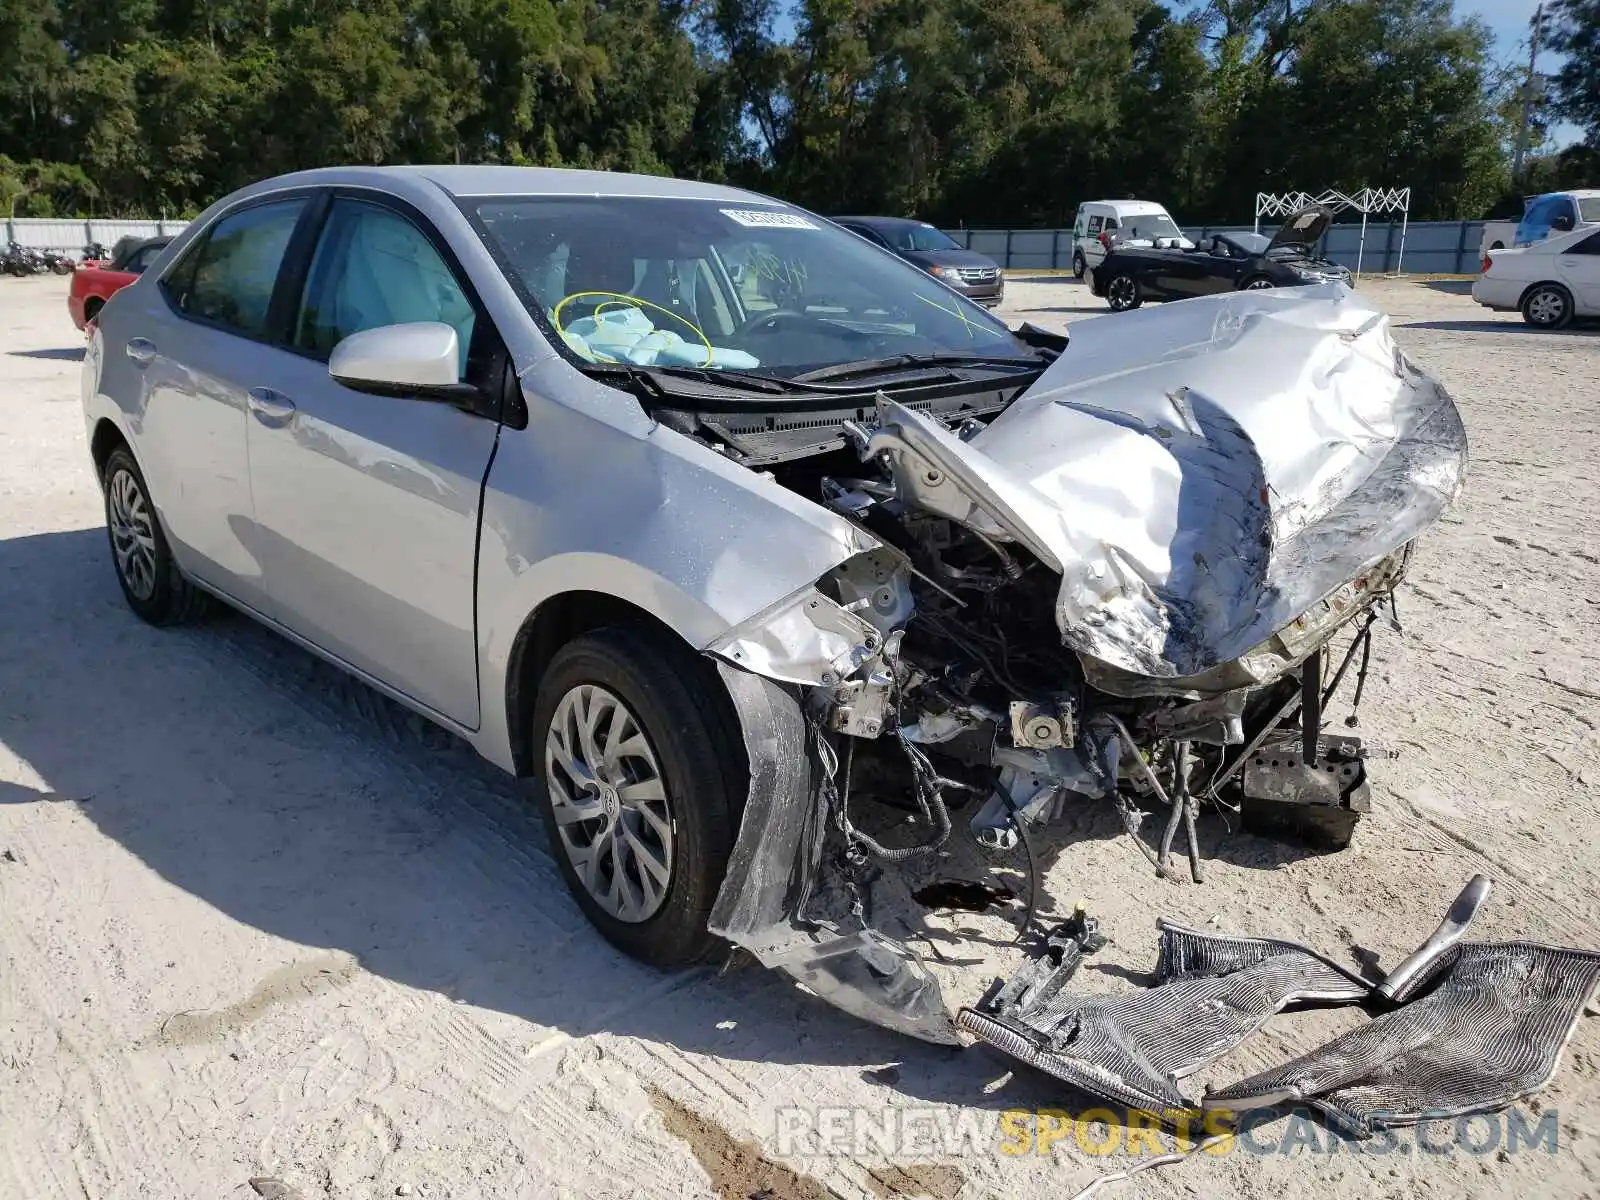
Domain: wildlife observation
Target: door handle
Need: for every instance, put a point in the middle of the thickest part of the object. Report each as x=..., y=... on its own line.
x=141, y=351
x=270, y=407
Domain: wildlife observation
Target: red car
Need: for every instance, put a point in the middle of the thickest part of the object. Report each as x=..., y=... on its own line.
x=94, y=282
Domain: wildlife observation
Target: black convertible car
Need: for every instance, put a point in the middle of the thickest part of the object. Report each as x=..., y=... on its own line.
x=1220, y=262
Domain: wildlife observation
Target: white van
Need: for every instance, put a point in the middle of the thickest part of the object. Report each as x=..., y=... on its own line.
x=1139, y=222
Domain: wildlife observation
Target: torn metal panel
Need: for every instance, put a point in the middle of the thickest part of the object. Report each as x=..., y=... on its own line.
x=806, y=638
x=1132, y=1049
x=1489, y=1033
x=775, y=865
x=1203, y=475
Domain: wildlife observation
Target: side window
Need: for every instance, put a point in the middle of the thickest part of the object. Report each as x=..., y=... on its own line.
x=1078, y=224
x=142, y=260
x=1542, y=210
x=373, y=267
x=1111, y=223
x=229, y=278
x=1095, y=225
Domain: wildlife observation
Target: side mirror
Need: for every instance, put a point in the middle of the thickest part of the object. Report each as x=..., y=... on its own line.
x=1562, y=223
x=420, y=360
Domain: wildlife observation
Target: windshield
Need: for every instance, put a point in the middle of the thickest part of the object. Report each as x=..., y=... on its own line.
x=919, y=237
x=1150, y=225
x=1250, y=243
x=1589, y=209
x=654, y=281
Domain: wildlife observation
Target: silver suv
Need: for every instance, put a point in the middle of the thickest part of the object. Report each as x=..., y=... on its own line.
x=712, y=520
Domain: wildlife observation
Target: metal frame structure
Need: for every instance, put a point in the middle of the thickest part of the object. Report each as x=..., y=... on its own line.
x=1366, y=202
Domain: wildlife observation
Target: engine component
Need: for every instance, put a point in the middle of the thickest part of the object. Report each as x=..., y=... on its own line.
x=1031, y=786
x=1042, y=726
x=1319, y=803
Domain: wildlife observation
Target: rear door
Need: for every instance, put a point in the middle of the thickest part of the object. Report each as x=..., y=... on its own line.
x=1580, y=270
x=367, y=506
x=199, y=339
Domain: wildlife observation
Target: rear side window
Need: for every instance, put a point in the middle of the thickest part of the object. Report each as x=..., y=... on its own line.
x=228, y=279
x=1095, y=225
x=1589, y=245
x=141, y=260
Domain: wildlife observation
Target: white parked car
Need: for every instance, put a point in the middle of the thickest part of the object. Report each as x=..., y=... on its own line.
x=1129, y=223
x=1550, y=282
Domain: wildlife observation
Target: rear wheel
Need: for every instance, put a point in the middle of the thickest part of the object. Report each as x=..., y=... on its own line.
x=644, y=776
x=151, y=583
x=1079, y=267
x=1547, y=306
x=1124, y=294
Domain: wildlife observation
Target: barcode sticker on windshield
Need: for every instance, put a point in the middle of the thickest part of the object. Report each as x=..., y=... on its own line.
x=768, y=219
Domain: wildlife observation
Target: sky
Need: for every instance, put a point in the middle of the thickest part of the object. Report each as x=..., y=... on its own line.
x=1509, y=20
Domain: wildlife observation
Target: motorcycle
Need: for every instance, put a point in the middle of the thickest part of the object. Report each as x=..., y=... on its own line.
x=95, y=252
x=59, y=263
x=21, y=260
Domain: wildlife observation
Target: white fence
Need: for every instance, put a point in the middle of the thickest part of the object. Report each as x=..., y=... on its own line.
x=71, y=236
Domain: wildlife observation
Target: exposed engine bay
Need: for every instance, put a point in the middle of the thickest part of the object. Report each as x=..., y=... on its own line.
x=1120, y=585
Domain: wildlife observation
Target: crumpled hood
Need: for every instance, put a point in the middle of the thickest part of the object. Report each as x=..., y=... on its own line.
x=1205, y=472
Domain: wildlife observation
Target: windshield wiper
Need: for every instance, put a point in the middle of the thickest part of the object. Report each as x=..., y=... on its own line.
x=722, y=377
x=879, y=366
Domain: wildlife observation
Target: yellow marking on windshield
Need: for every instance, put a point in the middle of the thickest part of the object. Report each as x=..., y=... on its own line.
x=954, y=312
x=626, y=299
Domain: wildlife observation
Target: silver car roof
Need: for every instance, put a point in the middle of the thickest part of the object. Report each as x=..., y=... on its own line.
x=475, y=181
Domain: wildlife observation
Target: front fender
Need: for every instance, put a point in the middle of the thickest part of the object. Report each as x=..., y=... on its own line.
x=576, y=503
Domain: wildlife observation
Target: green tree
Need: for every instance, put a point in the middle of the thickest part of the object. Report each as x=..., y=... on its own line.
x=1575, y=32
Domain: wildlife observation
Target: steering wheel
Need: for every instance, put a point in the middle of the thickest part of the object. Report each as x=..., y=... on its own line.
x=771, y=316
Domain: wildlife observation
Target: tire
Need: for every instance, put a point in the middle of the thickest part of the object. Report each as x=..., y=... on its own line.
x=151, y=582
x=1259, y=283
x=1547, y=306
x=690, y=744
x=1124, y=294
x=1080, y=268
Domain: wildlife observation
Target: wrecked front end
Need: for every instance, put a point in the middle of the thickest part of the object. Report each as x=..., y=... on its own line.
x=1126, y=588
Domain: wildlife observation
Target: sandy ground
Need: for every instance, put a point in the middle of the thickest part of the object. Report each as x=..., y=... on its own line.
x=257, y=922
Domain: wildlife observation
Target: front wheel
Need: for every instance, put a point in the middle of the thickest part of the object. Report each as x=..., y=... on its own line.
x=1124, y=294
x=1259, y=283
x=1547, y=306
x=644, y=777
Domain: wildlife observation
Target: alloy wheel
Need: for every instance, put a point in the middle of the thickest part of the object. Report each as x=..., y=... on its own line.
x=132, y=534
x=610, y=803
x=1122, y=292
x=1256, y=285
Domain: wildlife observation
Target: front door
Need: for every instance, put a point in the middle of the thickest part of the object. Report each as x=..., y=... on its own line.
x=367, y=506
